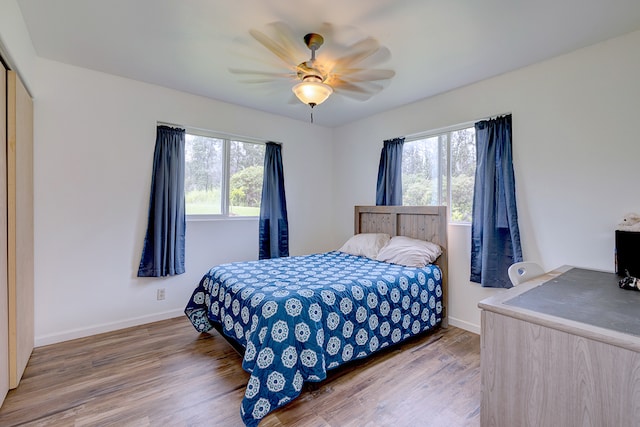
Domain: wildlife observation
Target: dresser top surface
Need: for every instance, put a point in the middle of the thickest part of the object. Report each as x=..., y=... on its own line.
x=578, y=301
x=587, y=296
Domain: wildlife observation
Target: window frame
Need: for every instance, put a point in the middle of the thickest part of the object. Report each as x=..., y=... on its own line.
x=226, y=178
x=437, y=133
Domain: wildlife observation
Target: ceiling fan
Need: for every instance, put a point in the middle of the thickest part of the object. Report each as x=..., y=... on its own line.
x=342, y=70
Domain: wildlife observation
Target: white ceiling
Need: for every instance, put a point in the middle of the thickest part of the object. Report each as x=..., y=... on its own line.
x=435, y=45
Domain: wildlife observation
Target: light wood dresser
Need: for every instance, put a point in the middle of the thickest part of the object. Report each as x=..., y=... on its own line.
x=561, y=350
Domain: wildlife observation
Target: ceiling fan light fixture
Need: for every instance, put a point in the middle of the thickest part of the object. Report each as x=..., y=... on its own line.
x=312, y=91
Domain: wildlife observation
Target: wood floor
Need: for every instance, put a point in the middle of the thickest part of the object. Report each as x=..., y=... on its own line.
x=166, y=374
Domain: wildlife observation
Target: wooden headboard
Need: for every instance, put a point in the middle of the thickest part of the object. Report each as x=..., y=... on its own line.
x=419, y=222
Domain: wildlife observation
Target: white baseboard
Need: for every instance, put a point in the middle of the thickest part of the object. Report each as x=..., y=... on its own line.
x=467, y=326
x=105, y=327
x=136, y=321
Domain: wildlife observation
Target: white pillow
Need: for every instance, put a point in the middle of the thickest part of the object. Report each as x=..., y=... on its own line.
x=365, y=244
x=409, y=252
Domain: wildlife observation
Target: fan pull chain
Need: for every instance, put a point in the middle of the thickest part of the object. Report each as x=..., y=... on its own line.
x=312, y=105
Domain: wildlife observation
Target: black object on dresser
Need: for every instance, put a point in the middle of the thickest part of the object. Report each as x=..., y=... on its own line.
x=628, y=253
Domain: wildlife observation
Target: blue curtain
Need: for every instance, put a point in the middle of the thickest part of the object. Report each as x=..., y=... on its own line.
x=163, y=250
x=495, y=237
x=274, y=226
x=389, y=186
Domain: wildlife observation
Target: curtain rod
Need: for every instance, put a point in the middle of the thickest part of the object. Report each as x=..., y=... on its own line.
x=458, y=126
x=171, y=125
x=213, y=133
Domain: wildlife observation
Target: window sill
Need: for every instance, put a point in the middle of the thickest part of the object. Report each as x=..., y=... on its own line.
x=209, y=218
x=460, y=224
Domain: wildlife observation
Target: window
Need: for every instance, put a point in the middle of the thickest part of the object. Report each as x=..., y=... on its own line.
x=223, y=176
x=439, y=169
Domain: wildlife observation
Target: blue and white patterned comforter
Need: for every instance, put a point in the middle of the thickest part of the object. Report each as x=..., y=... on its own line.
x=297, y=317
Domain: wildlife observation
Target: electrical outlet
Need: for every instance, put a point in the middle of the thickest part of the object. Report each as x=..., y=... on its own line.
x=160, y=294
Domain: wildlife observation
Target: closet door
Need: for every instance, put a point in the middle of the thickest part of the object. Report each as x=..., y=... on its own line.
x=4, y=303
x=20, y=226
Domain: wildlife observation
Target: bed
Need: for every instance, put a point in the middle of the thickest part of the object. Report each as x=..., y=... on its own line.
x=297, y=317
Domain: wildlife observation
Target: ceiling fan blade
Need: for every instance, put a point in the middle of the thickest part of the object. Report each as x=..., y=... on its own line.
x=365, y=75
x=327, y=30
x=252, y=76
x=282, y=52
x=289, y=40
x=361, y=51
x=258, y=80
x=358, y=96
x=362, y=88
x=260, y=73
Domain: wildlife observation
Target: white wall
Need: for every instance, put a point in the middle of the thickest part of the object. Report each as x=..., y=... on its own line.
x=95, y=136
x=576, y=146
